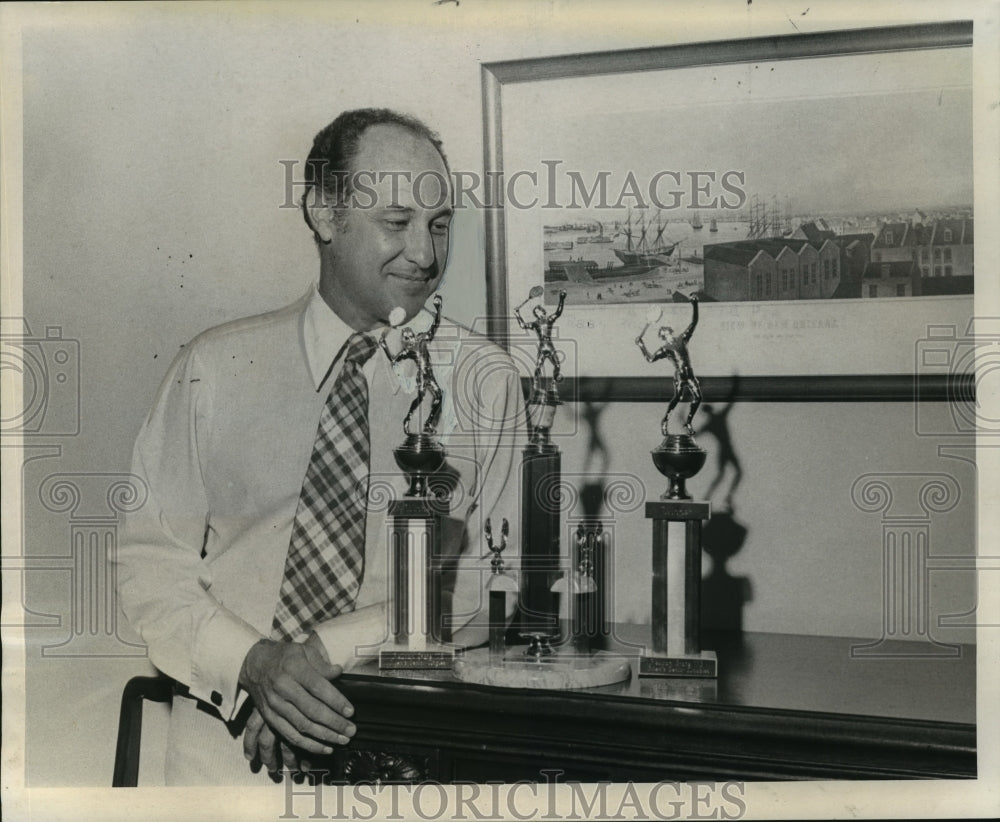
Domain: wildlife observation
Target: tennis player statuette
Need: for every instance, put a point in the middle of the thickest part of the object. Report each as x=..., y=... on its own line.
x=421, y=454
x=544, y=393
x=678, y=457
x=676, y=606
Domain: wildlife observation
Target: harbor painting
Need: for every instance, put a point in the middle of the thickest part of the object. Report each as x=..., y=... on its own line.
x=858, y=191
x=656, y=260
x=810, y=191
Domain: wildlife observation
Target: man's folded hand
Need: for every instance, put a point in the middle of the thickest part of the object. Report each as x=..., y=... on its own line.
x=290, y=686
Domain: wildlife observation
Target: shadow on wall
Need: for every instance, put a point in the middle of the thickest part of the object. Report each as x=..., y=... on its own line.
x=724, y=596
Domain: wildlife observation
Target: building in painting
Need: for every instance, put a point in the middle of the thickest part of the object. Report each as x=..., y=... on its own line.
x=773, y=269
x=739, y=271
x=896, y=242
x=899, y=278
x=902, y=259
x=948, y=250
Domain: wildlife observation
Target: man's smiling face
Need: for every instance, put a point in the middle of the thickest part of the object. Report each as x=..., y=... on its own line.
x=390, y=247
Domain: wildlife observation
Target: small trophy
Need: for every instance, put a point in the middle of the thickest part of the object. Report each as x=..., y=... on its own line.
x=499, y=587
x=677, y=524
x=541, y=468
x=415, y=616
x=576, y=589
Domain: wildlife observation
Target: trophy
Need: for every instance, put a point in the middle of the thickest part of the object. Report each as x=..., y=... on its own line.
x=499, y=587
x=576, y=589
x=540, y=493
x=550, y=598
x=415, y=545
x=677, y=523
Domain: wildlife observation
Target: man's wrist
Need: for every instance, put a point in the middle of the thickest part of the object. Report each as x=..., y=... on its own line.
x=314, y=641
x=248, y=661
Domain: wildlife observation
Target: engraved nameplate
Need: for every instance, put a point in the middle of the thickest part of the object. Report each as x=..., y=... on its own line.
x=416, y=660
x=705, y=666
x=678, y=510
x=412, y=508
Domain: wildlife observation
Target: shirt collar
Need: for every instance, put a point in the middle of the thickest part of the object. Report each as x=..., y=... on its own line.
x=323, y=337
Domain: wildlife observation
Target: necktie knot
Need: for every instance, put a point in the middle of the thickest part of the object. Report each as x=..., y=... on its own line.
x=360, y=348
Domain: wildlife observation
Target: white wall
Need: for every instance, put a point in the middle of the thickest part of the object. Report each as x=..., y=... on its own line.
x=152, y=187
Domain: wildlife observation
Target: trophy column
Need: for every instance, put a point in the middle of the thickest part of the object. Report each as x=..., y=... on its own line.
x=676, y=607
x=416, y=596
x=541, y=468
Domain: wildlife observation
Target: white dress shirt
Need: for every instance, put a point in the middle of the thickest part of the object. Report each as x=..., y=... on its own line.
x=224, y=453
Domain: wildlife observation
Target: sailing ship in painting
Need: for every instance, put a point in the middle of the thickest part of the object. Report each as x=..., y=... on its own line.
x=645, y=252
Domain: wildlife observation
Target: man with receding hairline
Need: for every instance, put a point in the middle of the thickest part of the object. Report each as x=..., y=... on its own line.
x=247, y=591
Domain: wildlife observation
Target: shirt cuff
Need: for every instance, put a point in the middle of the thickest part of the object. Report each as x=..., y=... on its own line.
x=221, y=645
x=353, y=638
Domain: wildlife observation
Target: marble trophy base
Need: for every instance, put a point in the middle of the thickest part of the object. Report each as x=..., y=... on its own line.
x=558, y=671
x=702, y=665
x=435, y=657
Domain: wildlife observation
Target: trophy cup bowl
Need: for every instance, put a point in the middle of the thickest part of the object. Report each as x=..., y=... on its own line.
x=678, y=458
x=418, y=457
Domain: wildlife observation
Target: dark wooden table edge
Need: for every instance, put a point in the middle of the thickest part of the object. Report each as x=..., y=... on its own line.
x=869, y=746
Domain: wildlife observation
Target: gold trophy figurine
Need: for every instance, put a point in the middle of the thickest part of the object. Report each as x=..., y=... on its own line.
x=420, y=454
x=544, y=396
x=678, y=457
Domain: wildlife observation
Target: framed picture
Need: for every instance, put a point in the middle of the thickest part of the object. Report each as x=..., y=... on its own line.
x=813, y=192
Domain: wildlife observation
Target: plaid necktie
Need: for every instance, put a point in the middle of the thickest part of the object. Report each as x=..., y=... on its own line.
x=326, y=554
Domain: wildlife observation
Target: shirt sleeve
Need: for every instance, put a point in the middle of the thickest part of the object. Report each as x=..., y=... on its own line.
x=351, y=638
x=164, y=584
